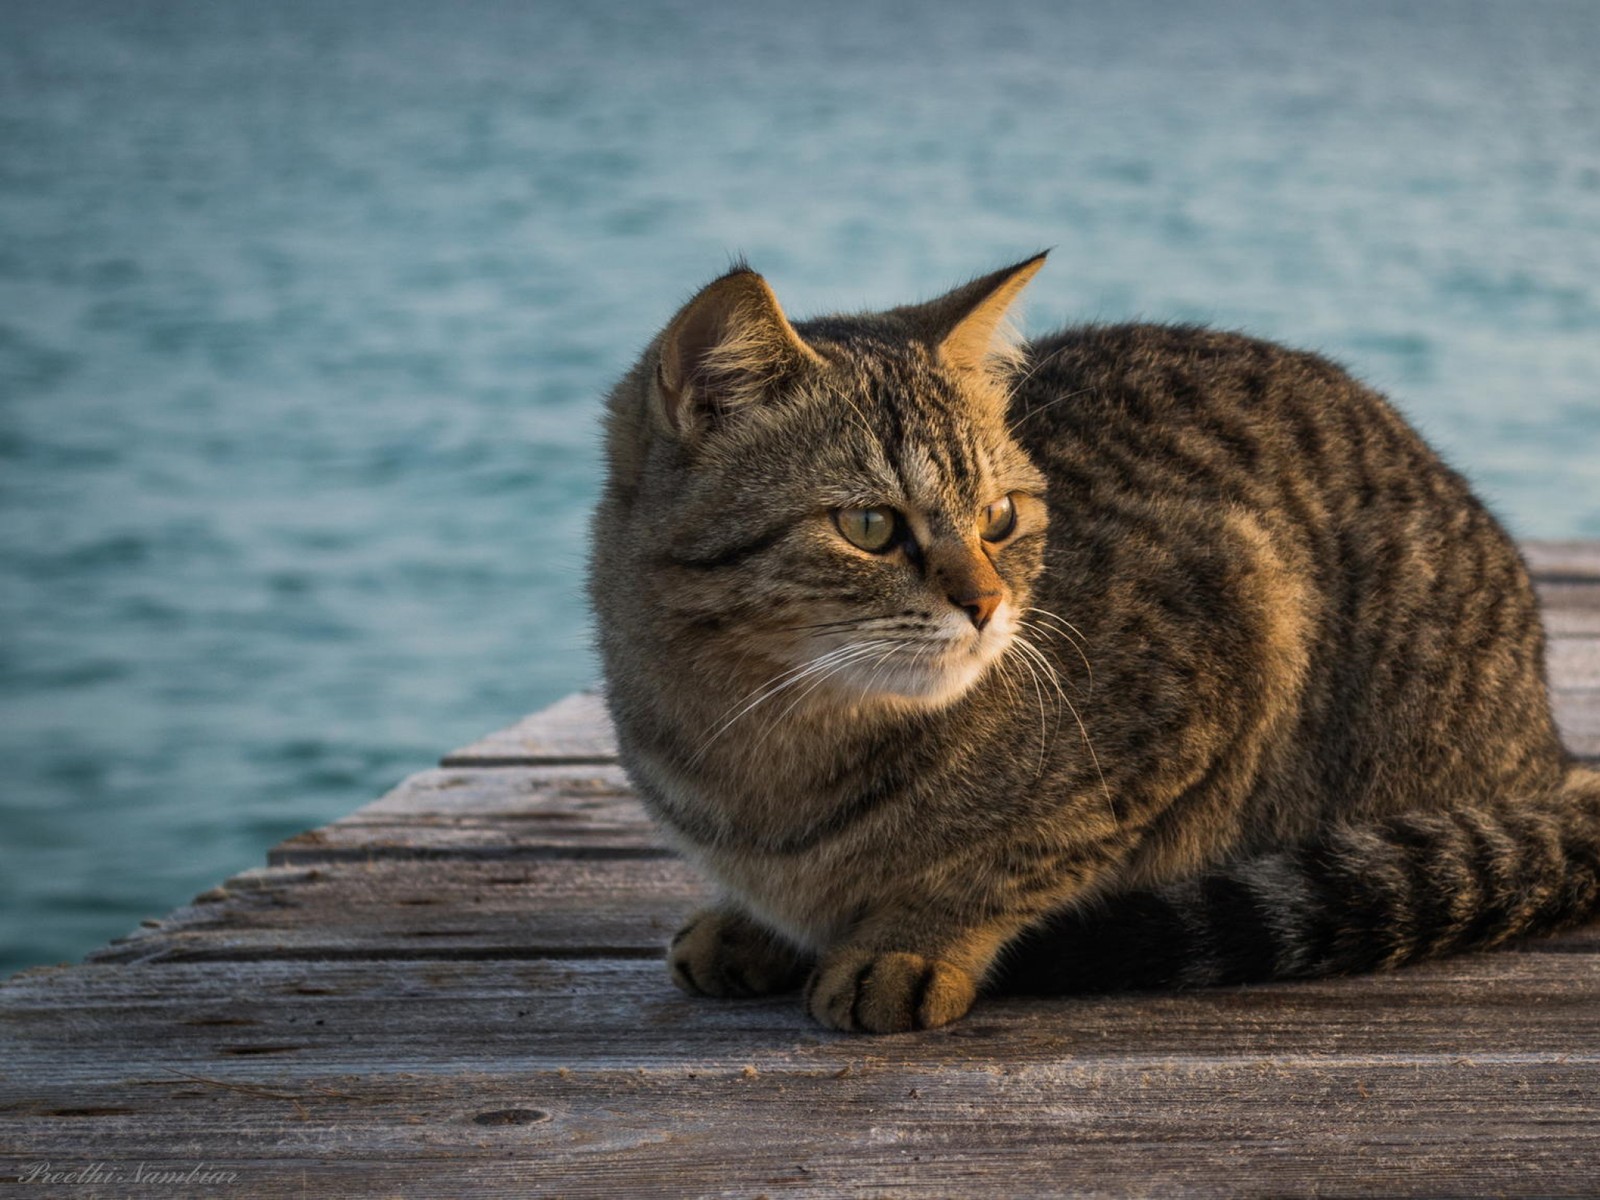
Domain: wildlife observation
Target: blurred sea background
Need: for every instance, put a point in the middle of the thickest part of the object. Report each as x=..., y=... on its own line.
x=307, y=306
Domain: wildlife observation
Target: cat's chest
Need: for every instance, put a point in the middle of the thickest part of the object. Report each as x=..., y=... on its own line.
x=812, y=899
x=803, y=855
x=789, y=799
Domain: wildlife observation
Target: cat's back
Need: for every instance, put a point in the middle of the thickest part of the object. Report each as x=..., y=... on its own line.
x=1424, y=644
x=1189, y=417
x=1227, y=410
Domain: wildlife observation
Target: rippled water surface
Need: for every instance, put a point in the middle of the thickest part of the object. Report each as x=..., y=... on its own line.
x=305, y=309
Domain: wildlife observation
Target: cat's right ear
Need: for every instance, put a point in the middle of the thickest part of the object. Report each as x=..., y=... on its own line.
x=728, y=348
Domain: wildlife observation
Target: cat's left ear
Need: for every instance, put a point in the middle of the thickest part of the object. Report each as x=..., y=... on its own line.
x=968, y=326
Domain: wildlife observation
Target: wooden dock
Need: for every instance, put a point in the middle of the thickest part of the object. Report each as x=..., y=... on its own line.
x=458, y=990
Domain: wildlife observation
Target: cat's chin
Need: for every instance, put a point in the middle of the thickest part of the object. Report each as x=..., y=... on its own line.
x=926, y=689
x=919, y=682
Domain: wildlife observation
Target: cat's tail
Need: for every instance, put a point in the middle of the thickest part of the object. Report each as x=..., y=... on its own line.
x=1357, y=898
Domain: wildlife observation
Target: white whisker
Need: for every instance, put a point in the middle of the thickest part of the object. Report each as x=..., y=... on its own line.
x=1038, y=690
x=1034, y=412
x=837, y=665
x=1040, y=364
x=785, y=681
x=1083, y=730
x=1072, y=633
x=1015, y=691
x=1084, y=690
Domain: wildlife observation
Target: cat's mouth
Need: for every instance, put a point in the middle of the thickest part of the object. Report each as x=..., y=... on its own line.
x=930, y=670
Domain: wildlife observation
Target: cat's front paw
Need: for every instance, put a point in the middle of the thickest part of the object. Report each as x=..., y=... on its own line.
x=719, y=953
x=888, y=992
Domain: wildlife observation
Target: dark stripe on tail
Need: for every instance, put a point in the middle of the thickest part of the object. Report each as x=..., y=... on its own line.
x=1358, y=898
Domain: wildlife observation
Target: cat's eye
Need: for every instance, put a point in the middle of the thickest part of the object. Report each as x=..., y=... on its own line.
x=870, y=528
x=997, y=520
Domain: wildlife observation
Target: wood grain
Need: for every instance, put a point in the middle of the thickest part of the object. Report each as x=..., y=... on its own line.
x=1292, y=1126
x=1579, y=716
x=427, y=908
x=524, y=812
x=575, y=729
x=592, y=1074
x=1571, y=609
x=604, y=1013
x=1576, y=560
x=1574, y=666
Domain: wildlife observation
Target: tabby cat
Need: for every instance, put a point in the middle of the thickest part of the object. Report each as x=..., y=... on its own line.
x=1133, y=656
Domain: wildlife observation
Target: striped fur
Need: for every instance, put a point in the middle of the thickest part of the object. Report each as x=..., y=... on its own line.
x=1351, y=899
x=1253, y=687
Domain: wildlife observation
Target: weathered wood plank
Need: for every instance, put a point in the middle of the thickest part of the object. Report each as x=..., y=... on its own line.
x=1574, y=665
x=467, y=909
x=575, y=729
x=1291, y=1127
x=1565, y=560
x=319, y=1018
x=429, y=908
x=1571, y=607
x=1578, y=714
x=504, y=812
x=596, y=1077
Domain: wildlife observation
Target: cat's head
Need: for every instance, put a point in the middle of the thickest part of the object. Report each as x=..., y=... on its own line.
x=838, y=505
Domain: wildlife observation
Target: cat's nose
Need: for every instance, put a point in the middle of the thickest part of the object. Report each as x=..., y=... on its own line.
x=968, y=579
x=981, y=608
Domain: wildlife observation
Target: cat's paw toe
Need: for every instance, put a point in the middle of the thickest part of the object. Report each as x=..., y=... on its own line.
x=888, y=992
x=716, y=954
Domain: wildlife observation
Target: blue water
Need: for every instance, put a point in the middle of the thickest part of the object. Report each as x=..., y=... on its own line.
x=305, y=310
